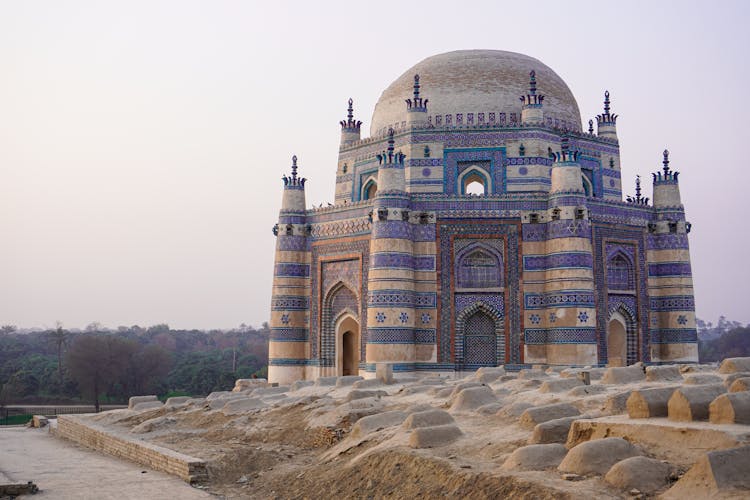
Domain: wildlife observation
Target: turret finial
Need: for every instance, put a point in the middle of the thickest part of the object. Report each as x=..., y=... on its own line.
x=565, y=154
x=416, y=86
x=637, y=199
x=294, y=182
x=389, y=156
x=350, y=124
x=532, y=82
x=591, y=126
x=606, y=102
x=665, y=162
x=606, y=118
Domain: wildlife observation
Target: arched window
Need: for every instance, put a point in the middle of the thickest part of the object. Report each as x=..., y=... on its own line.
x=475, y=182
x=479, y=269
x=620, y=273
x=474, y=186
x=370, y=189
x=587, y=187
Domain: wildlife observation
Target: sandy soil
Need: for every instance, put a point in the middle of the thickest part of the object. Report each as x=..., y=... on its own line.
x=300, y=445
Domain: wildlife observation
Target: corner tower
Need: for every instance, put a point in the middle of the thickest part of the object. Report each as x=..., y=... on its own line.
x=289, y=346
x=670, y=280
x=390, y=301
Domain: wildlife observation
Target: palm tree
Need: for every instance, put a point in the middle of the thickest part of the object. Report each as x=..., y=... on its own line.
x=60, y=338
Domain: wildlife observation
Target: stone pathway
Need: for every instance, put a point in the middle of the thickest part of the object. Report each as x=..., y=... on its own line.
x=63, y=470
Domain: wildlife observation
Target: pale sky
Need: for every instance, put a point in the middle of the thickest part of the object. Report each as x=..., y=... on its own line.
x=142, y=142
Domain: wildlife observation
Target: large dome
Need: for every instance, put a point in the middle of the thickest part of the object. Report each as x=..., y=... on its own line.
x=476, y=81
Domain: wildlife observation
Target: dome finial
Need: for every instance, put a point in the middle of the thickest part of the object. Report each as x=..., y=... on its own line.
x=532, y=99
x=416, y=103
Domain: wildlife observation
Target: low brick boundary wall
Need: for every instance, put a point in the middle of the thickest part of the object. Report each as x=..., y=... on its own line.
x=90, y=435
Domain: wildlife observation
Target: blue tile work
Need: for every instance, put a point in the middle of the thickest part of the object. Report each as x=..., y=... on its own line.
x=289, y=303
x=400, y=298
x=541, y=336
x=293, y=243
x=288, y=334
x=291, y=270
x=492, y=230
x=398, y=260
x=569, y=229
x=567, y=298
x=479, y=337
x=391, y=229
x=493, y=301
x=458, y=159
x=424, y=335
x=622, y=302
x=390, y=335
x=678, y=241
x=561, y=260
x=346, y=271
x=424, y=232
x=635, y=238
x=673, y=303
x=528, y=160
x=663, y=269
x=673, y=335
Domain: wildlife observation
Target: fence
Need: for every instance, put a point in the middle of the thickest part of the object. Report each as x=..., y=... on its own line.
x=19, y=415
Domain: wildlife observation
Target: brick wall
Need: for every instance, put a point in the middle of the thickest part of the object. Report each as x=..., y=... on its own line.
x=76, y=429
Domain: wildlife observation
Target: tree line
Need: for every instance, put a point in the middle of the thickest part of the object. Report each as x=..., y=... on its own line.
x=100, y=365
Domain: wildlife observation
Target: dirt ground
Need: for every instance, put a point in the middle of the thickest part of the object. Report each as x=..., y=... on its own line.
x=300, y=444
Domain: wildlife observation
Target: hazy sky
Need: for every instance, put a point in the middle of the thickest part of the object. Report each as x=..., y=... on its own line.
x=142, y=143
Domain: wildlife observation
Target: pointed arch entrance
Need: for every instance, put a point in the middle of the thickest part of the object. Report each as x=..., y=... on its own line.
x=622, y=338
x=347, y=345
x=341, y=338
x=480, y=339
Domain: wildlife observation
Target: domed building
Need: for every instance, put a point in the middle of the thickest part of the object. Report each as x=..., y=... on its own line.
x=479, y=225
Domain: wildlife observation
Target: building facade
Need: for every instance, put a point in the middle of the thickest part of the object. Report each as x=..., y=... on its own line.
x=480, y=225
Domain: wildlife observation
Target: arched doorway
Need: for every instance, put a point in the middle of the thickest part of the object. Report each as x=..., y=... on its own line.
x=347, y=346
x=617, y=348
x=480, y=340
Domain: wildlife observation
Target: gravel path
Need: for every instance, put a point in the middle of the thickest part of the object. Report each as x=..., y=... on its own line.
x=63, y=470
